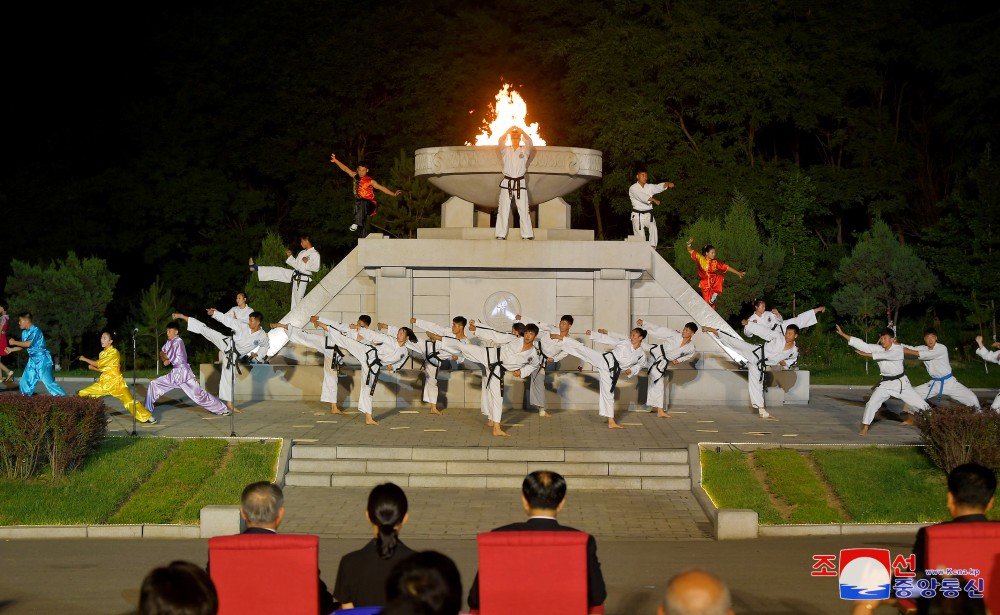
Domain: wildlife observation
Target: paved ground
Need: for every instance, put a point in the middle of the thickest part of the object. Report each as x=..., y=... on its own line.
x=643, y=537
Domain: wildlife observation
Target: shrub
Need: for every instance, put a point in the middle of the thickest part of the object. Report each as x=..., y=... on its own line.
x=954, y=435
x=57, y=430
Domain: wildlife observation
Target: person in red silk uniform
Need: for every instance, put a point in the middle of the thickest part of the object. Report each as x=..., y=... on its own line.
x=710, y=272
x=365, y=205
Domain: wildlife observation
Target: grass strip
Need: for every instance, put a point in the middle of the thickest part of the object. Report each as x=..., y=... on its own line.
x=89, y=494
x=729, y=480
x=179, y=477
x=790, y=479
x=885, y=485
x=245, y=463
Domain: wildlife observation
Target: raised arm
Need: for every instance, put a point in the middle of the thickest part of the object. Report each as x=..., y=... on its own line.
x=343, y=167
x=375, y=184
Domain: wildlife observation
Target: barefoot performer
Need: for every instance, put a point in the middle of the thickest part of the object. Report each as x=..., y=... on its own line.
x=993, y=356
x=376, y=351
x=627, y=358
x=111, y=382
x=248, y=341
x=550, y=352
x=432, y=354
x=514, y=353
x=943, y=381
x=317, y=339
x=677, y=347
x=889, y=356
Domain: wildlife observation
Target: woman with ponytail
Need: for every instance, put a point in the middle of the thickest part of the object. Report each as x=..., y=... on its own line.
x=362, y=574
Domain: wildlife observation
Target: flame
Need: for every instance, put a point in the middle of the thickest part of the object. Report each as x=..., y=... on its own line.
x=509, y=110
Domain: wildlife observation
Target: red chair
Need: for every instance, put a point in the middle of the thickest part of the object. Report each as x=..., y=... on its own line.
x=965, y=546
x=529, y=573
x=261, y=573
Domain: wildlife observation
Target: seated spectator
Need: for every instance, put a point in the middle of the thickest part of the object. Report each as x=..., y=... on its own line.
x=182, y=588
x=971, y=488
x=696, y=592
x=262, y=506
x=543, y=494
x=362, y=574
x=426, y=583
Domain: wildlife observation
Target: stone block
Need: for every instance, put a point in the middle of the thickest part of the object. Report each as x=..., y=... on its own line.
x=114, y=531
x=450, y=454
x=432, y=286
x=554, y=214
x=648, y=469
x=678, y=455
x=431, y=304
x=171, y=531
x=327, y=466
x=221, y=521
x=504, y=482
x=576, y=306
x=448, y=482
x=571, y=469
x=603, y=456
x=666, y=484
x=735, y=524
x=457, y=213
x=368, y=480
x=606, y=482
x=406, y=467
x=832, y=529
x=308, y=451
x=526, y=454
x=307, y=480
x=514, y=468
x=374, y=452
x=43, y=531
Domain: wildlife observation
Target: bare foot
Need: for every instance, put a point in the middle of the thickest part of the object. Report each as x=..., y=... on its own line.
x=660, y=414
x=334, y=409
x=369, y=420
x=908, y=420
x=237, y=410
x=613, y=425
x=864, y=430
x=489, y=423
x=434, y=410
x=542, y=413
x=499, y=432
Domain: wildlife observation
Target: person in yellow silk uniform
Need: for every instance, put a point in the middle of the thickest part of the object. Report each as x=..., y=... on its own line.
x=111, y=381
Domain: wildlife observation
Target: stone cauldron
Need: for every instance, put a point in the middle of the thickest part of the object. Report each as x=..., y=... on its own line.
x=473, y=172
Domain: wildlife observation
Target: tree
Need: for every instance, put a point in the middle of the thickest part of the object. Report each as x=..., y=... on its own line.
x=738, y=243
x=799, y=275
x=67, y=298
x=881, y=267
x=152, y=314
x=418, y=207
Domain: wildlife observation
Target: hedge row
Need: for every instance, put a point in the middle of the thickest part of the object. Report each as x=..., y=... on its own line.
x=40, y=430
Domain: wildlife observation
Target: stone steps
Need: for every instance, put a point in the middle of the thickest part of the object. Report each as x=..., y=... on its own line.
x=486, y=468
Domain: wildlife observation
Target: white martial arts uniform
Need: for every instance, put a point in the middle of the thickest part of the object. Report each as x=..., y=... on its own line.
x=757, y=358
x=317, y=339
x=514, y=186
x=771, y=328
x=496, y=360
x=548, y=348
x=642, y=209
x=621, y=358
x=942, y=382
x=993, y=356
x=378, y=351
x=298, y=276
x=434, y=355
x=660, y=357
x=242, y=315
x=244, y=341
x=894, y=381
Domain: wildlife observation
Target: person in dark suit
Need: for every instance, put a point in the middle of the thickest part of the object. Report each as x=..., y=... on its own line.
x=262, y=506
x=543, y=494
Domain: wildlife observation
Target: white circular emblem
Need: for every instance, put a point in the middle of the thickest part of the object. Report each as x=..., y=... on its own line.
x=499, y=310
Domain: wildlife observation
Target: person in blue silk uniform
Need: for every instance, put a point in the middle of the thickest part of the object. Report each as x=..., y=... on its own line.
x=39, y=365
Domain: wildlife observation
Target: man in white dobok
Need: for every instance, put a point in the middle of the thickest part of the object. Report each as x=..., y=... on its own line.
x=641, y=194
x=303, y=266
x=514, y=186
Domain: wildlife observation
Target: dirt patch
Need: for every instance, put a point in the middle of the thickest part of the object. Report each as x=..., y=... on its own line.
x=831, y=498
x=784, y=509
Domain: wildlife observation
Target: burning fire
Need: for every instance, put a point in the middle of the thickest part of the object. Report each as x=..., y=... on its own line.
x=509, y=110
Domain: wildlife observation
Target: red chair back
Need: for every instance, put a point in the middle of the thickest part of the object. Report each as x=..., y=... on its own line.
x=528, y=573
x=965, y=546
x=265, y=573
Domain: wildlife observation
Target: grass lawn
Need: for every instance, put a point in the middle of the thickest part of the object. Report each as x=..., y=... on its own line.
x=852, y=372
x=872, y=485
x=142, y=480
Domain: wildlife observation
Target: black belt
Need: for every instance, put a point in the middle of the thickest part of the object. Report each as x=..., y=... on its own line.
x=232, y=357
x=614, y=366
x=896, y=377
x=298, y=276
x=495, y=367
x=758, y=353
x=645, y=211
x=338, y=355
x=431, y=354
x=659, y=366
x=542, y=356
x=374, y=367
x=513, y=186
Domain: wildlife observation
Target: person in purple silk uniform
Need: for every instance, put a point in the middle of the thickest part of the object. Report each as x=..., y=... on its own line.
x=174, y=354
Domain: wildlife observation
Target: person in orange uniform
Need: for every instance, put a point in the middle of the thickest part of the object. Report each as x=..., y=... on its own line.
x=365, y=204
x=710, y=272
x=111, y=381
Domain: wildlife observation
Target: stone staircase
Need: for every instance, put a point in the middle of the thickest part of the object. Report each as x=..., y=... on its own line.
x=486, y=468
